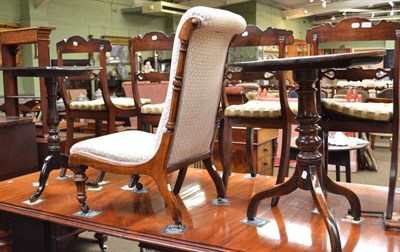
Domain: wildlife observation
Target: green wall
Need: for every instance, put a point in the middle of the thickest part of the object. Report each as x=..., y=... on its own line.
x=266, y=16
x=104, y=17
x=75, y=17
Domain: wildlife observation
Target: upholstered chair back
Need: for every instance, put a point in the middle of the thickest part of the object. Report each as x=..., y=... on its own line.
x=202, y=82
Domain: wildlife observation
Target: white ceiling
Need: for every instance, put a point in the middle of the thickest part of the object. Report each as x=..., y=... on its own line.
x=291, y=9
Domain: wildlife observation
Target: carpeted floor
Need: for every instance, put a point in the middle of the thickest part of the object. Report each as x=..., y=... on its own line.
x=86, y=242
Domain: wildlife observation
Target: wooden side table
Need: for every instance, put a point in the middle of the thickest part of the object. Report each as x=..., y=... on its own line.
x=309, y=172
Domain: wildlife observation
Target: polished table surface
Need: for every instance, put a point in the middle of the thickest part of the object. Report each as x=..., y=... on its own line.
x=142, y=217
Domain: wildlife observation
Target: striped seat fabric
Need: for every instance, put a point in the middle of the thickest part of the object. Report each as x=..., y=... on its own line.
x=153, y=109
x=258, y=109
x=98, y=105
x=370, y=111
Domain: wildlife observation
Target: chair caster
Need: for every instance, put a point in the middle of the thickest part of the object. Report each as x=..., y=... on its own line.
x=84, y=208
x=135, y=182
x=103, y=248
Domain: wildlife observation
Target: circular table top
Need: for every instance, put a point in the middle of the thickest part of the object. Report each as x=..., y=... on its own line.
x=313, y=62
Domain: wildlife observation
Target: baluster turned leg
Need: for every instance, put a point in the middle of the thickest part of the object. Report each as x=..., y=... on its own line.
x=53, y=159
x=309, y=159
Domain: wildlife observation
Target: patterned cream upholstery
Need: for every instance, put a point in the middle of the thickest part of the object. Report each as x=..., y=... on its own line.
x=369, y=111
x=153, y=109
x=203, y=71
x=98, y=105
x=258, y=109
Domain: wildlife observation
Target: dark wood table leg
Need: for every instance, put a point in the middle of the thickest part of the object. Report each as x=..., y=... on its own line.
x=53, y=159
x=309, y=173
x=5, y=233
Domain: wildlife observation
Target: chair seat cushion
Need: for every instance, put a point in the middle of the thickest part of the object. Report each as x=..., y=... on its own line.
x=153, y=109
x=369, y=111
x=258, y=109
x=131, y=146
x=98, y=105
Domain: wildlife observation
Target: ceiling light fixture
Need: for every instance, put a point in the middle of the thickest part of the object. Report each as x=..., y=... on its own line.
x=311, y=1
x=333, y=18
x=323, y=4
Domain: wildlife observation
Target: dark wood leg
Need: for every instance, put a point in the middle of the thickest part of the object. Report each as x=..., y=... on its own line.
x=249, y=150
x=179, y=180
x=354, y=201
x=80, y=179
x=52, y=161
x=227, y=148
x=348, y=167
x=279, y=190
x=5, y=233
x=101, y=239
x=215, y=177
x=284, y=162
x=320, y=202
x=337, y=172
x=392, y=179
x=221, y=123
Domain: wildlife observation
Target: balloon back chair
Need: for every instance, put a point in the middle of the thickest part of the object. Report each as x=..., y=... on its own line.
x=105, y=109
x=256, y=113
x=149, y=113
x=187, y=126
x=370, y=116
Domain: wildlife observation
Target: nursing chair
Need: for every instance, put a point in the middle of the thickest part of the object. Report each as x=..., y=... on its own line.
x=187, y=126
x=148, y=114
x=105, y=109
x=371, y=116
x=256, y=113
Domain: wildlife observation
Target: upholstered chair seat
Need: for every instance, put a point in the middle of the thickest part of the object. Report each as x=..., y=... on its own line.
x=99, y=105
x=369, y=111
x=153, y=109
x=118, y=147
x=258, y=109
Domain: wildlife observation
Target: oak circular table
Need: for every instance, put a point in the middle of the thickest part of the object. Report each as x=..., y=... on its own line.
x=55, y=159
x=309, y=172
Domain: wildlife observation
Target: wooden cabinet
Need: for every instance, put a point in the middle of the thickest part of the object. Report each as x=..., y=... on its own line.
x=298, y=49
x=264, y=150
x=18, y=150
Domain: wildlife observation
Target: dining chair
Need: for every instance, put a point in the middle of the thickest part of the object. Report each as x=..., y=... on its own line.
x=155, y=42
x=385, y=95
x=105, y=109
x=264, y=114
x=187, y=126
x=353, y=116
